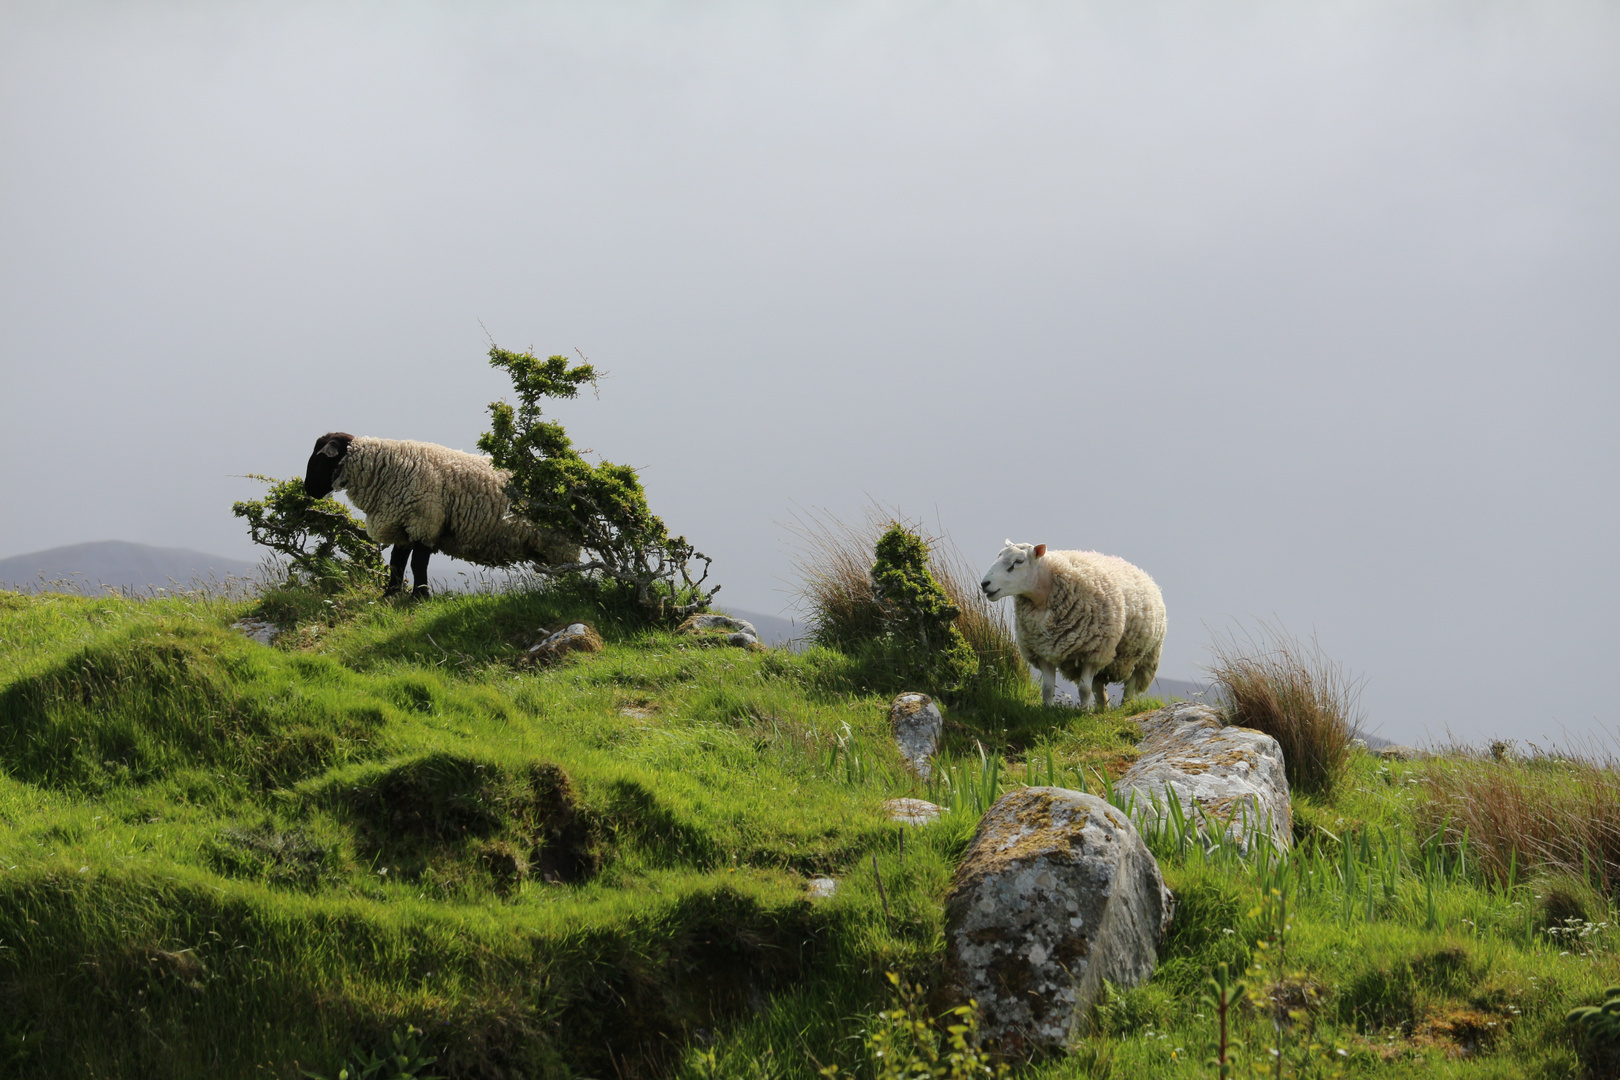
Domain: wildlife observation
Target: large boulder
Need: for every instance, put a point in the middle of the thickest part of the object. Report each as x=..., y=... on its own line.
x=1224, y=777
x=1057, y=893
x=917, y=724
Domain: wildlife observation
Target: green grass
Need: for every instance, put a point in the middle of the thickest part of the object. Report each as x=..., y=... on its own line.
x=222, y=859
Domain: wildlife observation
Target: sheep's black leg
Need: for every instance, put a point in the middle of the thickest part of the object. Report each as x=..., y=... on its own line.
x=419, y=561
x=396, y=568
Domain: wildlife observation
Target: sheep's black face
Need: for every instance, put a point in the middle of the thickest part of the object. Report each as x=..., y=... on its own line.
x=324, y=462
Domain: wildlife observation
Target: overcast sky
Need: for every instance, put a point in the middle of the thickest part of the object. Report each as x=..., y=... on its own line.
x=1311, y=310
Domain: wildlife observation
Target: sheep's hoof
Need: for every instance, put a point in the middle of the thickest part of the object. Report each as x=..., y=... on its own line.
x=420, y=593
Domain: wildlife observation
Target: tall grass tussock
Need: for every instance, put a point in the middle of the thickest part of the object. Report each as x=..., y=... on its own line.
x=1287, y=688
x=1555, y=812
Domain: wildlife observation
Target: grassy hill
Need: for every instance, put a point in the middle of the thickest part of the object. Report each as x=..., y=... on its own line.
x=224, y=859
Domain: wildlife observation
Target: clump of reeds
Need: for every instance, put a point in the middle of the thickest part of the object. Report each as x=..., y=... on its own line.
x=1288, y=689
x=834, y=561
x=1542, y=813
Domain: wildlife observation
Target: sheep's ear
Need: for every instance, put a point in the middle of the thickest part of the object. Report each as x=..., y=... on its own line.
x=1040, y=549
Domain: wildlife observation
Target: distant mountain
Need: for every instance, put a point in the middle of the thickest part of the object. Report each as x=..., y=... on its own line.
x=117, y=563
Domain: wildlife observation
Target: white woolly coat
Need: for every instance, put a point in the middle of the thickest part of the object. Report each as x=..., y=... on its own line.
x=454, y=502
x=1102, y=612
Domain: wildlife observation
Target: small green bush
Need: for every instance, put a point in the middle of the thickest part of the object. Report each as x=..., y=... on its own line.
x=837, y=590
x=325, y=546
x=905, y=1043
x=917, y=615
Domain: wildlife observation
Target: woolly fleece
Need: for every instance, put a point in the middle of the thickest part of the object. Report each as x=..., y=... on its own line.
x=454, y=502
x=1103, y=621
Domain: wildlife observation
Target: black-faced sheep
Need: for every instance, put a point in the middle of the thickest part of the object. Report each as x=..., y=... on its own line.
x=1096, y=618
x=421, y=498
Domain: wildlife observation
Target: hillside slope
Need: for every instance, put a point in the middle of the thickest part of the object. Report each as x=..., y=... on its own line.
x=226, y=859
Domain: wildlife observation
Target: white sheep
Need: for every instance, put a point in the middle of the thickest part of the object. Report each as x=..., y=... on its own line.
x=1096, y=618
x=421, y=498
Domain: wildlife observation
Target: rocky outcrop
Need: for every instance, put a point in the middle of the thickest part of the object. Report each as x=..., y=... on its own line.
x=721, y=630
x=917, y=725
x=1225, y=778
x=1056, y=894
x=575, y=637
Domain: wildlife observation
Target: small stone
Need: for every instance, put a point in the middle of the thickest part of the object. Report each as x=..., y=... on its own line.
x=263, y=631
x=1057, y=893
x=917, y=725
x=721, y=630
x=912, y=811
x=1232, y=776
x=821, y=887
x=575, y=637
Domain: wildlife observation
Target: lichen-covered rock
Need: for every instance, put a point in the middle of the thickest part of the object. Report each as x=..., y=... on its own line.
x=1057, y=893
x=917, y=725
x=1226, y=777
x=912, y=811
x=575, y=637
x=721, y=629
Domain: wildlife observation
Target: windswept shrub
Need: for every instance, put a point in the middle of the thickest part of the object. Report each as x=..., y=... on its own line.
x=323, y=543
x=1289, y=690
x=602, y=507
x=1537, y=814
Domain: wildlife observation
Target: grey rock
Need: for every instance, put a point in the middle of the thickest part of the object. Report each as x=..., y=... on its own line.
x=912, y=811
x=1397, y=752
x=917, y=725
x=721, y=628
x=261, y=630
x=1056, y=894
x=821, y=887
x=1227, y=776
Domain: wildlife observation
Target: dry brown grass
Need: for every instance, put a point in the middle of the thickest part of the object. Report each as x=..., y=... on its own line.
x=1544, y=813
x=834, y=557
x=1285, y=687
